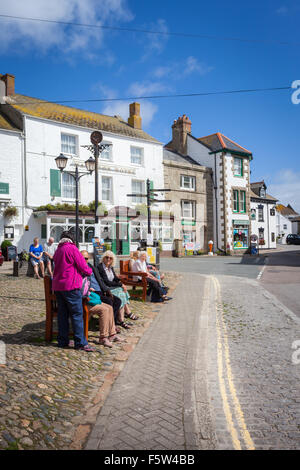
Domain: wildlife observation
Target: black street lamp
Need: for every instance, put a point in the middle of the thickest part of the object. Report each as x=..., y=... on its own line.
x=61, y=163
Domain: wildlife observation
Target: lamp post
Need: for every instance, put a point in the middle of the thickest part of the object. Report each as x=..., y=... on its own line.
x=61, y=163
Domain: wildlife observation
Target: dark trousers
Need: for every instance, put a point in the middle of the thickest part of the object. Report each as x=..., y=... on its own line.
x=156, y=289
x=69, y=303
x=114, y=301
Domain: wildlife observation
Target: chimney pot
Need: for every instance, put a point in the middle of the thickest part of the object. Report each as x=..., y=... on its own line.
x=180, y=128
x=135, y=119
x=9, y=81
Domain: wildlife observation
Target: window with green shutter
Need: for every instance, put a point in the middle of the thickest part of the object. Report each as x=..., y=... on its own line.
x=55, y=183
x=43, y=231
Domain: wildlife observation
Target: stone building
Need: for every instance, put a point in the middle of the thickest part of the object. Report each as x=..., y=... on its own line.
x=191, y=194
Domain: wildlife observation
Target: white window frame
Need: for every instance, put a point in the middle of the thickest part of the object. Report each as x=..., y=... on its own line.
x=192, y=182
x=141, y=162
x=109, y=151
x=260, y=214
x=192, y=212
x=137, y=199
x=241, y=169
x=68, y=188
x=75, y=143
x=110, y=200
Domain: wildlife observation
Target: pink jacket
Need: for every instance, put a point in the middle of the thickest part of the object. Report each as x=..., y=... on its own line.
x=69, y=267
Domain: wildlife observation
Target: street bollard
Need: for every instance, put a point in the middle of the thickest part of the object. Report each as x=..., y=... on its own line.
x=210, y=244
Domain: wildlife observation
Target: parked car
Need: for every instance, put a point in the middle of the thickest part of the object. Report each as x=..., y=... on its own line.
x=293, y=239
x=1, y=258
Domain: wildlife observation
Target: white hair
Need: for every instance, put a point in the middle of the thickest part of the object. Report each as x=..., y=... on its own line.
x=143, y=253
x=109, y=253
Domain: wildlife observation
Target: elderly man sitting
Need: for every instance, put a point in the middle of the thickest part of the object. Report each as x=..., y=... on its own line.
x=49, y=250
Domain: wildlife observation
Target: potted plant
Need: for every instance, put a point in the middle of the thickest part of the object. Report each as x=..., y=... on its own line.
x=4, y=246
x=10, y=211
x=262, y=241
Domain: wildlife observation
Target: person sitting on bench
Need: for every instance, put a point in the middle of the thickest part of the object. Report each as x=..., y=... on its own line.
x=158, y=292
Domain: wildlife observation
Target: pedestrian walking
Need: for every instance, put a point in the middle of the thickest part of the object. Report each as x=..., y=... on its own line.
x=49, y=250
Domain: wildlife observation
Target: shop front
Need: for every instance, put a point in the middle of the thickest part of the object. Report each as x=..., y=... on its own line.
x=241, y=234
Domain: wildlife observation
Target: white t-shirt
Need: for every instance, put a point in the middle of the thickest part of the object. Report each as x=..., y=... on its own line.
x=139, y=266
x=49, y=249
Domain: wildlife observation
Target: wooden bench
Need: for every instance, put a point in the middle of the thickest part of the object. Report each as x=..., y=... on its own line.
x=127, y=276
x=51, y=311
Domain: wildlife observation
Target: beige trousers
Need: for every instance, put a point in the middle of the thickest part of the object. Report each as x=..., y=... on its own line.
x=106, y=319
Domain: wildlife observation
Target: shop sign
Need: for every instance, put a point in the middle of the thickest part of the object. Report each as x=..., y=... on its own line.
x=188, y=222
x=241, y=222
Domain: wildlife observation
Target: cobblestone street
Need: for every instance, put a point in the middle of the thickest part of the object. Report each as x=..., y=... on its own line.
x=49, y=397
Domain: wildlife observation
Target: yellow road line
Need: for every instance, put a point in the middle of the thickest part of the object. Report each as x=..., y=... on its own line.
x=237, y=407
x=226, y=407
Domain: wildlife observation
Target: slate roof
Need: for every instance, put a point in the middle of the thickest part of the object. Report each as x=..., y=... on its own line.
x=267, y=196
x=172, y=155
x=74, y=116
x=6, y=124
x=218, y=142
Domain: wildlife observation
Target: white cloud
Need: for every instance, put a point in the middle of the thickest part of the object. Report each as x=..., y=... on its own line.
x=185, y=67
x=155, y=43
x=146, y=88
x=285, y=187
x=121, y=108
x=44, y=36
x=282, y=10
x=193, y=65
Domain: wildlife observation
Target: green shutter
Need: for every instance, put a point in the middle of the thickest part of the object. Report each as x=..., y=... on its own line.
x=43, y=231
x=4, y=188
x=55, y=183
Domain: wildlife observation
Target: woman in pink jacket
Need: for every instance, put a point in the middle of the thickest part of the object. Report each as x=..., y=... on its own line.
x=69, y=267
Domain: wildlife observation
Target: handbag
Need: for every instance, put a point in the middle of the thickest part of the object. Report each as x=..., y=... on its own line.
x=85, y=287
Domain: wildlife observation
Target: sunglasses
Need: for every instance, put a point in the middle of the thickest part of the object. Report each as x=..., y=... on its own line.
x=86, y=259
x=108, y=257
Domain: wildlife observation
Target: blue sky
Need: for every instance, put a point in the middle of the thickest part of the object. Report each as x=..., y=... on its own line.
x=58, y=62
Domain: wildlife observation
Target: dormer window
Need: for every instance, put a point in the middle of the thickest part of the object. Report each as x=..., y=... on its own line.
x=262, y=192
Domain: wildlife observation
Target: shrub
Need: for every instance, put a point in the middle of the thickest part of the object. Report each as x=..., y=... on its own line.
x=10, y=211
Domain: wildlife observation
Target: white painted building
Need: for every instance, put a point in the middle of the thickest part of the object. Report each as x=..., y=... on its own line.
x=230, y=165
x=263, y=215
x=39, y=132
x=287, y=221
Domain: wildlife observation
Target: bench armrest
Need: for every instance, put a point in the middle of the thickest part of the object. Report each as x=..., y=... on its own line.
x=138, y=273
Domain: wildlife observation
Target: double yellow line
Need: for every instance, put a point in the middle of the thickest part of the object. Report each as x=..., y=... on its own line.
x=225, y=375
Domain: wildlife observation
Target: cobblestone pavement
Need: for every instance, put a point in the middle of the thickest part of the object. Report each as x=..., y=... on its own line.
x=250, y=350
x=49, y=397
x=153, y=403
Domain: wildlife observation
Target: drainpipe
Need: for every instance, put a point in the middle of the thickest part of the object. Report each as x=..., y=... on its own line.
x=216, y=200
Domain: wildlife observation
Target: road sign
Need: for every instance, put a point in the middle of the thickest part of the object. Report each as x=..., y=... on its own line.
x=96, y=137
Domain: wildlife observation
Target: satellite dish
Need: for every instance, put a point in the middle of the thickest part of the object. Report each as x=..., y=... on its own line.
x=96, y=137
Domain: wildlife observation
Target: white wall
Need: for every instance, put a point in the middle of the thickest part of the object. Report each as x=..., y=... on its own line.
x=281, y=223
x=43, y=144
x=11, y=172
x=269, y=223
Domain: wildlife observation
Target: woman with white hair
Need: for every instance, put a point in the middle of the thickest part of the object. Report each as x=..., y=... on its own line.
x=158, y=293
x=117, y=288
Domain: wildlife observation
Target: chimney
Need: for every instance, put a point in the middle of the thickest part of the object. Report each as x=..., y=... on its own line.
x=135, y=119
x=180, y=129
x=9, y=81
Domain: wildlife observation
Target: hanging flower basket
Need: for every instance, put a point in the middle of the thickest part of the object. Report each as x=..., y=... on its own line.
x=262, y=242
x=10, y=211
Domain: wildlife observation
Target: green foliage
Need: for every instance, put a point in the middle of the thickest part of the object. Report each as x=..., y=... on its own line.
x=5, y=244
x=10, y=211
x=83, y=209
